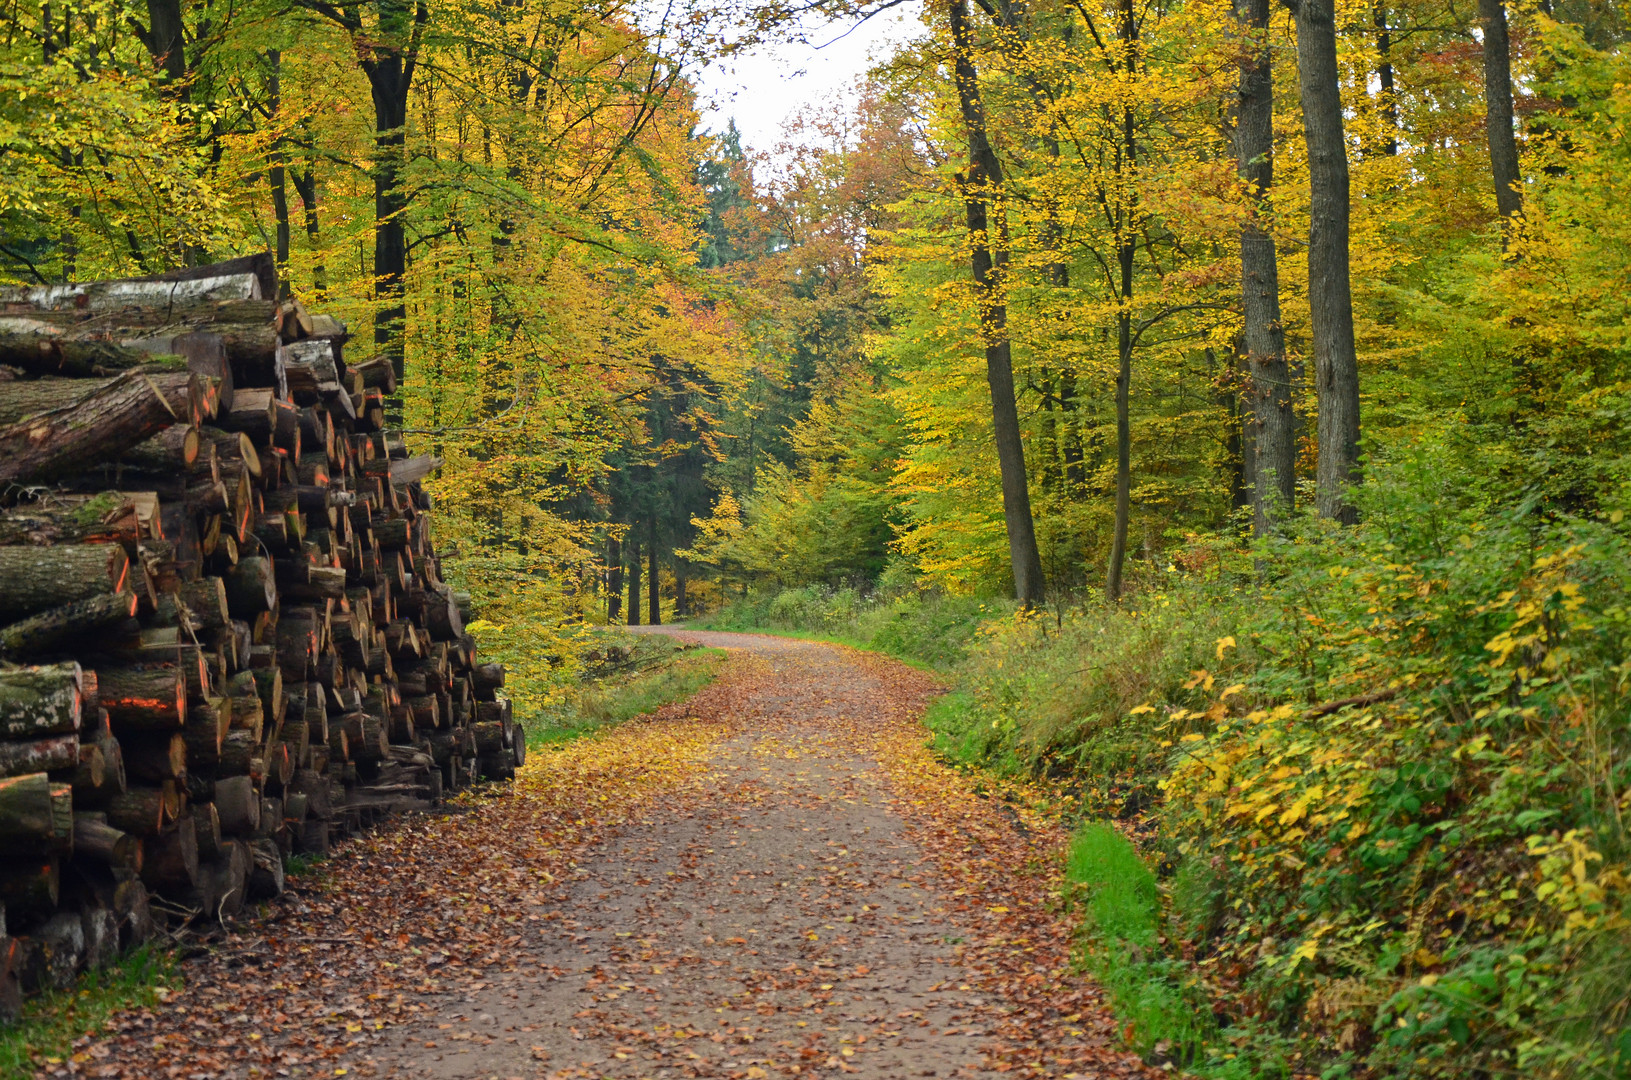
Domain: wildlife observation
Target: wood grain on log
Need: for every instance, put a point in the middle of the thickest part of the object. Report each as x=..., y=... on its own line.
x=170, y=863
x=139, y=810
x=56, y=629
x=146, y=698
x=35, y=813
x=103, y=422
x=94, y=838
x=35, y=579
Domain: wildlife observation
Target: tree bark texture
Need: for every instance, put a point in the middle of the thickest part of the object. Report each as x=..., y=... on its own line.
x=34, y=812
x=1126, y=251
x=634, y=584
x=99, y=422
x=49, y=754
x=52, y=630
x=1272, y=433
x=36, y=579
x=1498, y=112
x=1336, y=364
x=39, y=701
x=653, y=578
x=989, y=258
x=1384, y=79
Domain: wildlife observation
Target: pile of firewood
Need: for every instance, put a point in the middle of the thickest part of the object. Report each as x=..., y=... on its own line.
x=224, y=634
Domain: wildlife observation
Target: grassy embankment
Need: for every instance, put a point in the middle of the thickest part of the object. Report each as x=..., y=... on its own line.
x=1362, y=816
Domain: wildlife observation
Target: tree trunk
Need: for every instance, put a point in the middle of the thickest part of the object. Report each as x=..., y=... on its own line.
x=634, y=584
x=37, y=701
x=1503, y=141
x=251, y=587
x=391, y=57
x=154, y=757
x=1126, y=251
x=1272, y=431
x=653, y=578
x=238, y=805
x=1384, y=79
x=141, y=811
x=276, y=177
x=681, y=608
x=166, y=43
x=305, y=184
x=1336, y=365
x=614, y=580
x=170, y=863
x=40, y=354
x=99, y=422
x=989, y=260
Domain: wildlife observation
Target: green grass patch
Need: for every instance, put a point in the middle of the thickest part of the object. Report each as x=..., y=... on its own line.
x=50, y=1023
x=302, y=863
x=1158, y=1002
x=930, y=631
x=623, y=694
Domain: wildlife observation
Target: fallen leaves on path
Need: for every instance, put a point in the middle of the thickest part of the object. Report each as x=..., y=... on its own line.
x=775, y=879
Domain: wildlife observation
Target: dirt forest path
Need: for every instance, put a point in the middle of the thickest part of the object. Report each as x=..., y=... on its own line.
x=773, y=879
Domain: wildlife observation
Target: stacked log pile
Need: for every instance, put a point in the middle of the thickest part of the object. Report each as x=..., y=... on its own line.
x=224, y=633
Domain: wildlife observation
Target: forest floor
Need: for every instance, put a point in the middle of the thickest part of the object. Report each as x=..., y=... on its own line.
x=772, y=879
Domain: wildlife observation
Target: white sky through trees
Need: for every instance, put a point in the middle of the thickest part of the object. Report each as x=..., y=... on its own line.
x=764, y=88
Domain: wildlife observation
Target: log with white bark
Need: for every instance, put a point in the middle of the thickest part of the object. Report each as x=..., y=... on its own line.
x=37, y=701
x=53, y=752
x=101, y=296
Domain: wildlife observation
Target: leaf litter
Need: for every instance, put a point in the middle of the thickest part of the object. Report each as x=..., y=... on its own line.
x=773, y=879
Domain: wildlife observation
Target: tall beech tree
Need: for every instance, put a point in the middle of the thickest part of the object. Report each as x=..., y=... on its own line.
x=1498, y=112
x=1330, y=292
x=1272, y=425
x=982, y=192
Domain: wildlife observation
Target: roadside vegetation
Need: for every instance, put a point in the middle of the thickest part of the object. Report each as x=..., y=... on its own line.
x=1354, y=799
x=45, y=1034
x=624, y=676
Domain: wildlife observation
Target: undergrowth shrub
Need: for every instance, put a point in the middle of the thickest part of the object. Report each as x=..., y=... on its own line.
x=1380, y=776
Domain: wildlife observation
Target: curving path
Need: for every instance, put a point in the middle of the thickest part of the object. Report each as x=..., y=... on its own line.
x=800, y=892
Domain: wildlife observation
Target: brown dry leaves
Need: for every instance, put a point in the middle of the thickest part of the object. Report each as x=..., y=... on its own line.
x=675, y=897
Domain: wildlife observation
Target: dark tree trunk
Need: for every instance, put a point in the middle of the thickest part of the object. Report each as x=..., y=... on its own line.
x=165, y=41
x=305, y=184
x=1503, y=141
x=275, y=172
x=681, y=608
x=1126, y=251
x=614, y=580
x=1336, y=365
x=1384, y=79
x=1272, y=424
x=653, y=580
x=634, y=584
x=390, y=69
x=990, y=259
